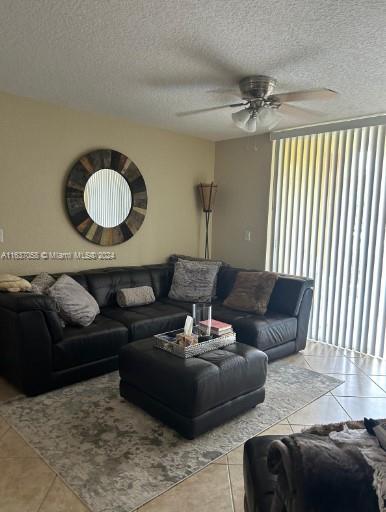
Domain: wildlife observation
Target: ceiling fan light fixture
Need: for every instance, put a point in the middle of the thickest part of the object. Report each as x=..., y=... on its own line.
x=251, y=124
x=269, y=118
x=241, y=117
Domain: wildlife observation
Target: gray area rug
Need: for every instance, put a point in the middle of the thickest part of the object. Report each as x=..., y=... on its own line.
x=116, y=457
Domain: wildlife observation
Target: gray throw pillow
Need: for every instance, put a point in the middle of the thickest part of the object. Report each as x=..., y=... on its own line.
x=174, y=257
x=207, y=263
x=138, y=296
x=192, y=281
x=41, y=283
x=76, y=305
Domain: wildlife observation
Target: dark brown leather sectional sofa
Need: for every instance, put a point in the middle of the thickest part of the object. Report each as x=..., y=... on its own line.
x=37, y=354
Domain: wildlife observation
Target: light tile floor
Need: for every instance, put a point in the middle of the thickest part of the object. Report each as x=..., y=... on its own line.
x=27, y=484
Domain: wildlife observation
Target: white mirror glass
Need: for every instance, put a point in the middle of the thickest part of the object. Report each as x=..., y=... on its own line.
x=107, y=197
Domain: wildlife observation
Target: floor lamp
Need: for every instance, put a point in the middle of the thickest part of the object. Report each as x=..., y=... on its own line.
x=208, y=196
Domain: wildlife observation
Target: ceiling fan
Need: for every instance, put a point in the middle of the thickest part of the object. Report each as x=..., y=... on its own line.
x=261, y=107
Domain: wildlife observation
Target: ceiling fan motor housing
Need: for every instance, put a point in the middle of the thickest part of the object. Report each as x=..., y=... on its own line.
x=256, y=87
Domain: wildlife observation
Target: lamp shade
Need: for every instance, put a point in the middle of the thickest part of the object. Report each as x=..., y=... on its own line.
x=251, y=124
x=240, y=118
x=208, y=195
x=269, y=118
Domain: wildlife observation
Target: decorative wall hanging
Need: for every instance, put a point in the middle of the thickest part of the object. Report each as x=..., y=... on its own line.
x=106, y=197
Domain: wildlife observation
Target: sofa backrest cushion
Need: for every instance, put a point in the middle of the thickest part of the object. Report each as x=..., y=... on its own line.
x=288, y=293
x=161, y=278
x=103, y=285
x=226, y=278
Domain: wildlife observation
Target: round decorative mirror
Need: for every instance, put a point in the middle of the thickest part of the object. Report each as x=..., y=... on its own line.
x=106, y=197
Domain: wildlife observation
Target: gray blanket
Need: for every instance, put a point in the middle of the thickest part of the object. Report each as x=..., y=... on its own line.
x=316, y=475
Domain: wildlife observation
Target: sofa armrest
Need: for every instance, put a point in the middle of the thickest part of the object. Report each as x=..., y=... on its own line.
x=304, y=318
x=25, y=350
x=259, y=482
x=26, y=301
x=22, y=302
x=29, y=325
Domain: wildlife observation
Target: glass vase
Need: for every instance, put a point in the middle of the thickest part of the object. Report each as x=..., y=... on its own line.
x=202, y=321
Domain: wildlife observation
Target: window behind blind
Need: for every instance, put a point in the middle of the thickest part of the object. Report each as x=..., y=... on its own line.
x=327, y=221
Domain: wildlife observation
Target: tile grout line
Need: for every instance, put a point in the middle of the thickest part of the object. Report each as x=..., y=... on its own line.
x=335, y=398
x=46, y=494
x=231, y=488
x=342, y=406
x=5, y=431
x=376, y=383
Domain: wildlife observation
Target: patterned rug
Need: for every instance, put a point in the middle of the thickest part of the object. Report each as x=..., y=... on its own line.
x=116, y=457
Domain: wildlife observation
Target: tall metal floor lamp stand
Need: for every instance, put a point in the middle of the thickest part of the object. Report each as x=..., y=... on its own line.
x=208, y=195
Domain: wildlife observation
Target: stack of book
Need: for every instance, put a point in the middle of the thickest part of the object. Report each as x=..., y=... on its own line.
x=218, y=328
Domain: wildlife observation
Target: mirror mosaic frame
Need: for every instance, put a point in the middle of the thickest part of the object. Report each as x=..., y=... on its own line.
x=80, y=173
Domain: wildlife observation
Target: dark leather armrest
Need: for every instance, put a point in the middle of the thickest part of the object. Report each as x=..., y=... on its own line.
x=259, y=483
x=26, y=349
x=304, y=318
x=25, y=301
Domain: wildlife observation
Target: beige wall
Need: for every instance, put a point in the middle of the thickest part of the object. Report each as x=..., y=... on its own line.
x=242, y=172
x=39, y=142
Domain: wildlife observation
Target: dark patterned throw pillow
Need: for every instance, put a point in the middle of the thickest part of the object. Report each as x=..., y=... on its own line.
x=251, y=292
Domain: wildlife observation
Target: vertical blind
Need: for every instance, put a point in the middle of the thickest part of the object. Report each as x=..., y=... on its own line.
x=107, y=198
x=327, y=221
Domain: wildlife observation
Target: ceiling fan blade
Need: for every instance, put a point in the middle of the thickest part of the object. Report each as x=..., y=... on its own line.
x=300, y=113
x=210, y=109
x=308, y=95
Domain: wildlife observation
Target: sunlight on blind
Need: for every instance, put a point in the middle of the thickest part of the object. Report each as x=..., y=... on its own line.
x=327, y=221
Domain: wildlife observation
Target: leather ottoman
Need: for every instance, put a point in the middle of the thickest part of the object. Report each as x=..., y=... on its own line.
x=193, y=395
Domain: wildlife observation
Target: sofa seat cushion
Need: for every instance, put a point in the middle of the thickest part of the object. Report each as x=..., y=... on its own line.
x=186, y=306
x=145, y=321
x=193, y=386
x=265, y=332
x=219, y=312
x=81, y=345
x=224, y=314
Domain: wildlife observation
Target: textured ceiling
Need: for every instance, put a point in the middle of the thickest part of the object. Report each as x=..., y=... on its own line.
x=149, y=59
